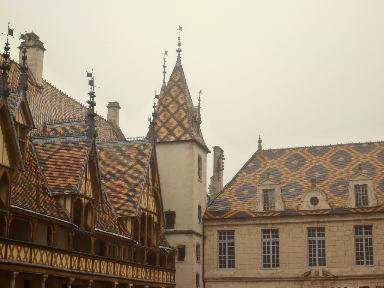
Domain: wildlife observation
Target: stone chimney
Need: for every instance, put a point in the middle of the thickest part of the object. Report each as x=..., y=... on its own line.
x=218, y=167
x=113, y=112
x=35, y=54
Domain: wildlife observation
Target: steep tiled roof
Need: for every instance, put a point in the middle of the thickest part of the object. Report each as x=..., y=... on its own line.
x=62, y=161
x=50, y=105
x=294, y=168
x=176, y=116
x=29, y=191
x=123, y=166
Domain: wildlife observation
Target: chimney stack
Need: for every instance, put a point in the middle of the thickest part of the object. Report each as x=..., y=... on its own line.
x=218, y=167
x=113, y=112
x=35, y=52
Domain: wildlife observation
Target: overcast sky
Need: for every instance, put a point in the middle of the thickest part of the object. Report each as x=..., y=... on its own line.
x=298, y=73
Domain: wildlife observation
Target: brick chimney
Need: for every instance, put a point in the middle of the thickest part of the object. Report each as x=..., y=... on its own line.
x=35, y=56
x=113, y=112
x=218, y=167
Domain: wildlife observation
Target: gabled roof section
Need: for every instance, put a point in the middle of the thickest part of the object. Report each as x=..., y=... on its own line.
x=331, y=166
x=29, y=191
x=123, y=168
x=62, y=161
x=176, y=116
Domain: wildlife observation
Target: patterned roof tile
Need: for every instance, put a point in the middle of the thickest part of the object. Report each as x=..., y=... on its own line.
x=294, y=168
x=123, y=166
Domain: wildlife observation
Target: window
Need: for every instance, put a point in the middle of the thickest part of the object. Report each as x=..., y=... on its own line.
x=364, y=245
x=199, y=213
x=316, y=247
x=361, y=195
x=198, y=253
x=199, y=168
x=197, y=280
x=226, y=245
x=271, y=248
x=21, y=134
x=268, y=199
x=170, y=219
x=181, y=253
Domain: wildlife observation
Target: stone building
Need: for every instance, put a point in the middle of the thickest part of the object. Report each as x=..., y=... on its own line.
x=300, y=217
x=182, y=158
x=80, y=206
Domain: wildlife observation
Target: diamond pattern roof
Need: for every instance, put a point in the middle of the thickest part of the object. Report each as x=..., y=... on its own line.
x=123, y=167
x=176, y=115
x=294, y=168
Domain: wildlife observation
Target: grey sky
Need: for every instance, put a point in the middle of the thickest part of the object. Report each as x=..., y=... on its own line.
x=298, y=73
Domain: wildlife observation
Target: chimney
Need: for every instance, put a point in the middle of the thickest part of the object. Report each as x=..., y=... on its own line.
x=35, y=52
x=113, y=112
x=218, y=167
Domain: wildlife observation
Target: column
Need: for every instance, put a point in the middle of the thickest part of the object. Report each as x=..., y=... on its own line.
x=42, y=279
x=12, y=279
x=89, y=283
x=69, y=282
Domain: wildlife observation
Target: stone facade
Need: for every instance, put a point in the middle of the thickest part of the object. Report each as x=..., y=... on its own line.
x=294, y=271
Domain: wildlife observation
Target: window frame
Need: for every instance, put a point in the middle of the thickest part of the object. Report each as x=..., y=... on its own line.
x=361, y=195
x=179, y=249
x=270, y=244
x=228, y=257
x=318, y=242
x=269, y=199
x=365, y=238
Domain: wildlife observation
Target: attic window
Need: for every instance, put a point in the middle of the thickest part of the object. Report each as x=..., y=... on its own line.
x=361, y=195
x=361, y=191
x=268, y=199
x=21, y=135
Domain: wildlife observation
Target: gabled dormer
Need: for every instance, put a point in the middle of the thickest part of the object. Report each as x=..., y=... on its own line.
x=314, y=199
x=269, y=196
x=361, y=192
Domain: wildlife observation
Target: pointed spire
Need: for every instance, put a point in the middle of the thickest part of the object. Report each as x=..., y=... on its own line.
x=164, y=72
x=178, y=62
x=152, y=131
x=91, y=108
x=23, y=82
x=5, y=66
x=198, y=108
x=260, y=147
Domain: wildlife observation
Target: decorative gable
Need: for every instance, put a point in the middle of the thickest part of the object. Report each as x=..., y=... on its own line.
x=314, y=199
x=269, y=196
x=361, y=191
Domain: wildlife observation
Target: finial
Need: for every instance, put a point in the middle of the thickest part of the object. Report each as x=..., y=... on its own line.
x=359, y=167
x=5, y=66
x=92, y=104
x=23, y=83
x=152, y=131
x=199, y=107
x=260, y=147
x=313, y=182
x=178, y=62
x=164, y=72
x=268, y=173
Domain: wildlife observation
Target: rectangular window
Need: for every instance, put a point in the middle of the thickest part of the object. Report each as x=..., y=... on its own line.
x=361, y=195
x=197, y=280
x=364, y=245
x=226, y=241
x=180, y=254
x=170, y=219
x=316, y=247
x=268, y=199
x=271, y=248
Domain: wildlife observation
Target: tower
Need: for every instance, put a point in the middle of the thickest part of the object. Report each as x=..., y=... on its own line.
x=182, y=157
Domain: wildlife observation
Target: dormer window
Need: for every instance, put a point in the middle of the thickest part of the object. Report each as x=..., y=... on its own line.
x=21, y=136
x=361, y=195
x=268, y=199
x=269, y=196
x=361, y=191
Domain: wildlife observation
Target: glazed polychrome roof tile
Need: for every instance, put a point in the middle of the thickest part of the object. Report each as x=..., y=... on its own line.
x=176, y=116
x=123, y=166
x=50, y=105
x=29, y=191
x=62, y=162
x=294, y=168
